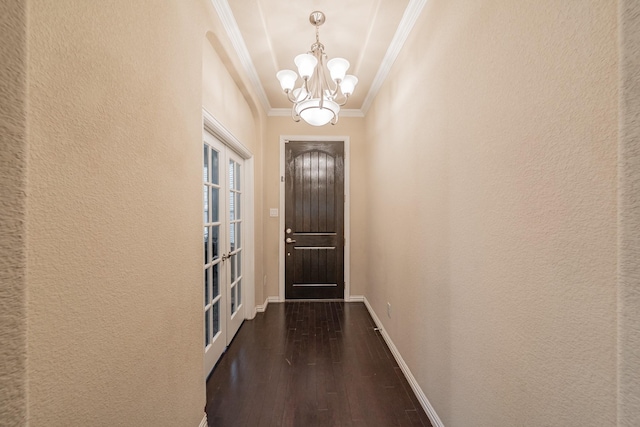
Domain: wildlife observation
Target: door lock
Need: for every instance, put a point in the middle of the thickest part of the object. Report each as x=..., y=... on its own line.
x=288, y=231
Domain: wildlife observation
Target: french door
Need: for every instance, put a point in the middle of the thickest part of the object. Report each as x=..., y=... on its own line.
x=223, y=304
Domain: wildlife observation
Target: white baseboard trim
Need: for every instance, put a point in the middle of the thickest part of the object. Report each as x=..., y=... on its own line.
x=356, y=298
x=262, y=308
x=203, y=423
x=422, y=398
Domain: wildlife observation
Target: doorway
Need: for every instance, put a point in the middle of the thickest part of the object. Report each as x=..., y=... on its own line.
x=223, y=208
x=314, y=219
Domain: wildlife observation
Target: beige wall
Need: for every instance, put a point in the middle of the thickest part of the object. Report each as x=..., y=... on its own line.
x=346, y=126
x=223, y=98
x=114, y=207
x=13, y=162
x=491, y=158
x=629, y=217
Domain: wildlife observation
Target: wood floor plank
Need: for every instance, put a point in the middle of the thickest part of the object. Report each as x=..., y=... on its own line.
x=307, y=363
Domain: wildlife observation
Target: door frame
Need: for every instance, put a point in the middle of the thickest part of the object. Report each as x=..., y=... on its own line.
x=347, y=191
x=213, y=126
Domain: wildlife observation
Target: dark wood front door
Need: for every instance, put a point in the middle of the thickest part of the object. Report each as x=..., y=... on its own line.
x=314, y=220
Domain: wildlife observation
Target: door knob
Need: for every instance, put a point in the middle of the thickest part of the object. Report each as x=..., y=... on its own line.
x=290, y=240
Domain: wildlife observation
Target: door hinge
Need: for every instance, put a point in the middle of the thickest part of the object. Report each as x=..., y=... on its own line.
x=282, y=179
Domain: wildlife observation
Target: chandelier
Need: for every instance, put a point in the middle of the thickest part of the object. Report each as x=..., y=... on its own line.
x=318, y=100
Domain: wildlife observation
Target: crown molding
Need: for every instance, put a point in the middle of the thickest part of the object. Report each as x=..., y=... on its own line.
x=407, y=22
x=405, y=26
x=231, y=27
x=286, y=112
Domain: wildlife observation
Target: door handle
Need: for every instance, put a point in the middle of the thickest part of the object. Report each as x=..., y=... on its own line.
x=290, y=240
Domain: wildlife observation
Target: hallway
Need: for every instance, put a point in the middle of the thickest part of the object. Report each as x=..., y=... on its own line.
x=311, y=364
x=491, y=215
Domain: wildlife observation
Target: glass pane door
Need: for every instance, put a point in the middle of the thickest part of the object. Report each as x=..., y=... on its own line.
x=234, y=226
x=222, y=219
x=214, y=183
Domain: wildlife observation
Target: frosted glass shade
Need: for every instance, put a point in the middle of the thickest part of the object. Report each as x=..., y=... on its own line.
x=287, y=79
x=306, y=63
x=338, y=68
x=348, y=85
x=311, y=112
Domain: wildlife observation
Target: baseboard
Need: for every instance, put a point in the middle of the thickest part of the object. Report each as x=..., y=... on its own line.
x=422, y=398
x=262, y=308
x=356, y=298
x=204, y=423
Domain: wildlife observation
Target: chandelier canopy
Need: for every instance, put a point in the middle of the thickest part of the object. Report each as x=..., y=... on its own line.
x=318, y=99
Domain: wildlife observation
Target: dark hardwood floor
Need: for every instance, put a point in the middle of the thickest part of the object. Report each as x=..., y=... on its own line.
x=310, y=364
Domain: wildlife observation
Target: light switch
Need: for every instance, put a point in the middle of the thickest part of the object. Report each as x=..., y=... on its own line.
x=273, y=212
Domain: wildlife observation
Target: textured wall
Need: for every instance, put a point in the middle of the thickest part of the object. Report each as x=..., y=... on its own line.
x=223, y=98
x=346, y=126
x=114, y=211
x=13, y=155
x=629, y=216
x=492, y=171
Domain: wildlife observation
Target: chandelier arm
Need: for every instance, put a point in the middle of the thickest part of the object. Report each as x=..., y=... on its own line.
x=295, y=116
x=334, y=92
x=305, y=85
x=346, y=98
x=290, y=96
x=314, y=88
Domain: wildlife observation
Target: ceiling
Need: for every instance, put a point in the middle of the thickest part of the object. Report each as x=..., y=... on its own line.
x=268, y=34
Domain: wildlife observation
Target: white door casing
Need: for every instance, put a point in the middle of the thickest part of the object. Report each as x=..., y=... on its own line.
x=231, y=260
x=347, y=207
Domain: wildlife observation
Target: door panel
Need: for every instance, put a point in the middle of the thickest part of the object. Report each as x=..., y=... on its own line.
x=314, y=220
